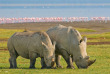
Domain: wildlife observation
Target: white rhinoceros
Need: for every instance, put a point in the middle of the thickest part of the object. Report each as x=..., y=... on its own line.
x=69, y=43
x=31, y=45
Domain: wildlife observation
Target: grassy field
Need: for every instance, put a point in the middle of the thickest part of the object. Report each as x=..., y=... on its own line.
x=98, y=52
x=85, y=30
x=6, y=33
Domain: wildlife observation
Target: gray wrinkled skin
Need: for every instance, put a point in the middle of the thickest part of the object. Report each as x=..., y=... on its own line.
x=31, y=45
x=70, y=45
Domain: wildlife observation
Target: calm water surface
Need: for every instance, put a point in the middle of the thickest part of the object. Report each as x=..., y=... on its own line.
x=60, y=12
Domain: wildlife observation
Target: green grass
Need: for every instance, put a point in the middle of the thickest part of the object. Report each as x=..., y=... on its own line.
x=6, y=33
x=99, y=52
x=85, y=30
x=99, y=40
x=95, y=37
x=3, y=44
x=103, y=35
x=98, y=37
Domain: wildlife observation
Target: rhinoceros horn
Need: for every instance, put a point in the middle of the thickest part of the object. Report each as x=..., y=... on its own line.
x=90, y=62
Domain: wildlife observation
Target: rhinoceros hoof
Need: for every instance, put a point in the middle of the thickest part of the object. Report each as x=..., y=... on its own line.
x=70, y=67
x=32, y=68
x=43, y=67
x=13, y=68
x=59, y=66
x=53, y=68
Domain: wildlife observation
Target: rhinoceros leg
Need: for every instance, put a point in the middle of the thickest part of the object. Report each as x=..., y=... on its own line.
x=66, y=56
x=12, y=60
x=32, y=63
x=33, y=57
x=43, y=63
x=70, y=65
x=57, y=59
x=13, y=63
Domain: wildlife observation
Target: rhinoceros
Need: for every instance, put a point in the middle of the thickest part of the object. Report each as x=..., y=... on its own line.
x=71, y=45
x=31, y=45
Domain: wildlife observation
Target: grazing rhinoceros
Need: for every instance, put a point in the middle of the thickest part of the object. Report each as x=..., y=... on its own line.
x=69, y=43
x=31, y=45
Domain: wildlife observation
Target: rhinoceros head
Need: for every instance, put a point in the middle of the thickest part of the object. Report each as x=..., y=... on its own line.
x=83, y=60
x=49, y=55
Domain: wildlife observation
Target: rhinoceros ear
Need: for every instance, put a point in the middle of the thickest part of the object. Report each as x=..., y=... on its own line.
x=83, y=39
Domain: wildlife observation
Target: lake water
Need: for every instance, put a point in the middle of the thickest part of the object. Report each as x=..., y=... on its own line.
x=57, y=12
